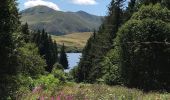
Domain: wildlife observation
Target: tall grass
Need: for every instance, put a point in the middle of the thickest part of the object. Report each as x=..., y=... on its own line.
x=96, y=92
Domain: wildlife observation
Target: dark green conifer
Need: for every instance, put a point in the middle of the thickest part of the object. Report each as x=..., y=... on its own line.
x=9, y=33
x=63, y=58
x=26, y=33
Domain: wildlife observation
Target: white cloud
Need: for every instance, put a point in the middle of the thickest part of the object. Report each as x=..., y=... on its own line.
x=85, y=2
x=33, y=3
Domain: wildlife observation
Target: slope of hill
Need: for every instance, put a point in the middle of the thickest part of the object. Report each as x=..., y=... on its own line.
x=74, y=42
x=58, y=22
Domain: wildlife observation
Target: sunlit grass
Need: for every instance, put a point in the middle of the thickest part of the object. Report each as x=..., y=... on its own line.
x=77, y=40
x=97, y=92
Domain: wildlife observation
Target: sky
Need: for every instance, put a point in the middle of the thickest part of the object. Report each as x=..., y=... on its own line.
x=96, y=7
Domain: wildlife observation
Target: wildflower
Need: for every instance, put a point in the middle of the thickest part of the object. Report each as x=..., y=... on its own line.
x=58, y=98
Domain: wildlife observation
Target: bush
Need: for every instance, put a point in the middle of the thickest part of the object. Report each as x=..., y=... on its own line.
x=58, y=66
x=30, y=61
x=143, y=43
x=59, y=74
x=25, y=84
x=46, y=82
x=112, y=74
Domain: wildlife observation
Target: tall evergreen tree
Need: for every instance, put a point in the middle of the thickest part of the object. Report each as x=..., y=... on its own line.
x=47, y=48
x=55, y=51
x=9, y=29
x=83, y=70
x=131, y=8
x=63, y=58
x=26, y=33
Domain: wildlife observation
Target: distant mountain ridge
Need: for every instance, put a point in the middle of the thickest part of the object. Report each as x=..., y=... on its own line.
x=58, y=22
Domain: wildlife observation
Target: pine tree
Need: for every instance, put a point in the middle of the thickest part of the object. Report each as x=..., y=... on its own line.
x=131, y=8
x=26, y=33
x=9, y=29
x=83, y=70
x=55, y=51
x=63, y=58
x=47, y=48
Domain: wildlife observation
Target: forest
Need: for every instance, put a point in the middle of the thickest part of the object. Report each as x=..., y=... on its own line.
x=131, y=47
x=127, y=58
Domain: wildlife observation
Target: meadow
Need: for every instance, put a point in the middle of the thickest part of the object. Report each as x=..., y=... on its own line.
x=73, y=91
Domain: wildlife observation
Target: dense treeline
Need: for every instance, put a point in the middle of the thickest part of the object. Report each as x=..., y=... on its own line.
x=27, y=58
x=131, y=47
x=98, y=45
x=47, y=48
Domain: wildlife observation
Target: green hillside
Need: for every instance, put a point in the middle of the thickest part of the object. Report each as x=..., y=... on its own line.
x=58, y=22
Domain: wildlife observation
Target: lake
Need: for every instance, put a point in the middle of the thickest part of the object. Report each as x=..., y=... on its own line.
x=73, y=59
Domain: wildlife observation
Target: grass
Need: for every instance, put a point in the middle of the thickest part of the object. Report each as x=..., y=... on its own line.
x=73, y=41
x=98, y=92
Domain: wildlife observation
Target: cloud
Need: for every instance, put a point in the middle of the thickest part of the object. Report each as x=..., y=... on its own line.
x=33, y=3
x=84, y=2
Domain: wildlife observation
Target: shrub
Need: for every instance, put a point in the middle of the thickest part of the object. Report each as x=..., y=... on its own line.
x=59, y=74
x=112, y=74
x=46, y=82
x=143, y=43
x=30, y=61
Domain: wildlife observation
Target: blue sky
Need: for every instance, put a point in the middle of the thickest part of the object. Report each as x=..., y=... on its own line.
x=96, y=7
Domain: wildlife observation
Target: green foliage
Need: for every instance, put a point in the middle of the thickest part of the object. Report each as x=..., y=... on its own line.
x=47, y=82
x=74, y=73
x=58, y=66
x=143, y=43
x=30, y=61
x=154, y=12
x=25, y=84
x=59, y=74
x=24, y=81
x=90, y=67
x=112, y=70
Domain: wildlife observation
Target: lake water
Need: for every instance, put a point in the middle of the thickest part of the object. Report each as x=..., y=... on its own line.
x=73, y=59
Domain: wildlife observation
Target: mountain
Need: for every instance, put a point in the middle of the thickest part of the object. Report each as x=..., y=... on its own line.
x=58, y=22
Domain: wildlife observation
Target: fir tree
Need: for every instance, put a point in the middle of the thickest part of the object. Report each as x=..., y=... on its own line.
x=131, y=8
x=26, y=33
x=63, y=58
x=9, y=29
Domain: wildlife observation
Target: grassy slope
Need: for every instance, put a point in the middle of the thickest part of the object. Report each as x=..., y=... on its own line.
x=98, y=92
x=74, y=40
